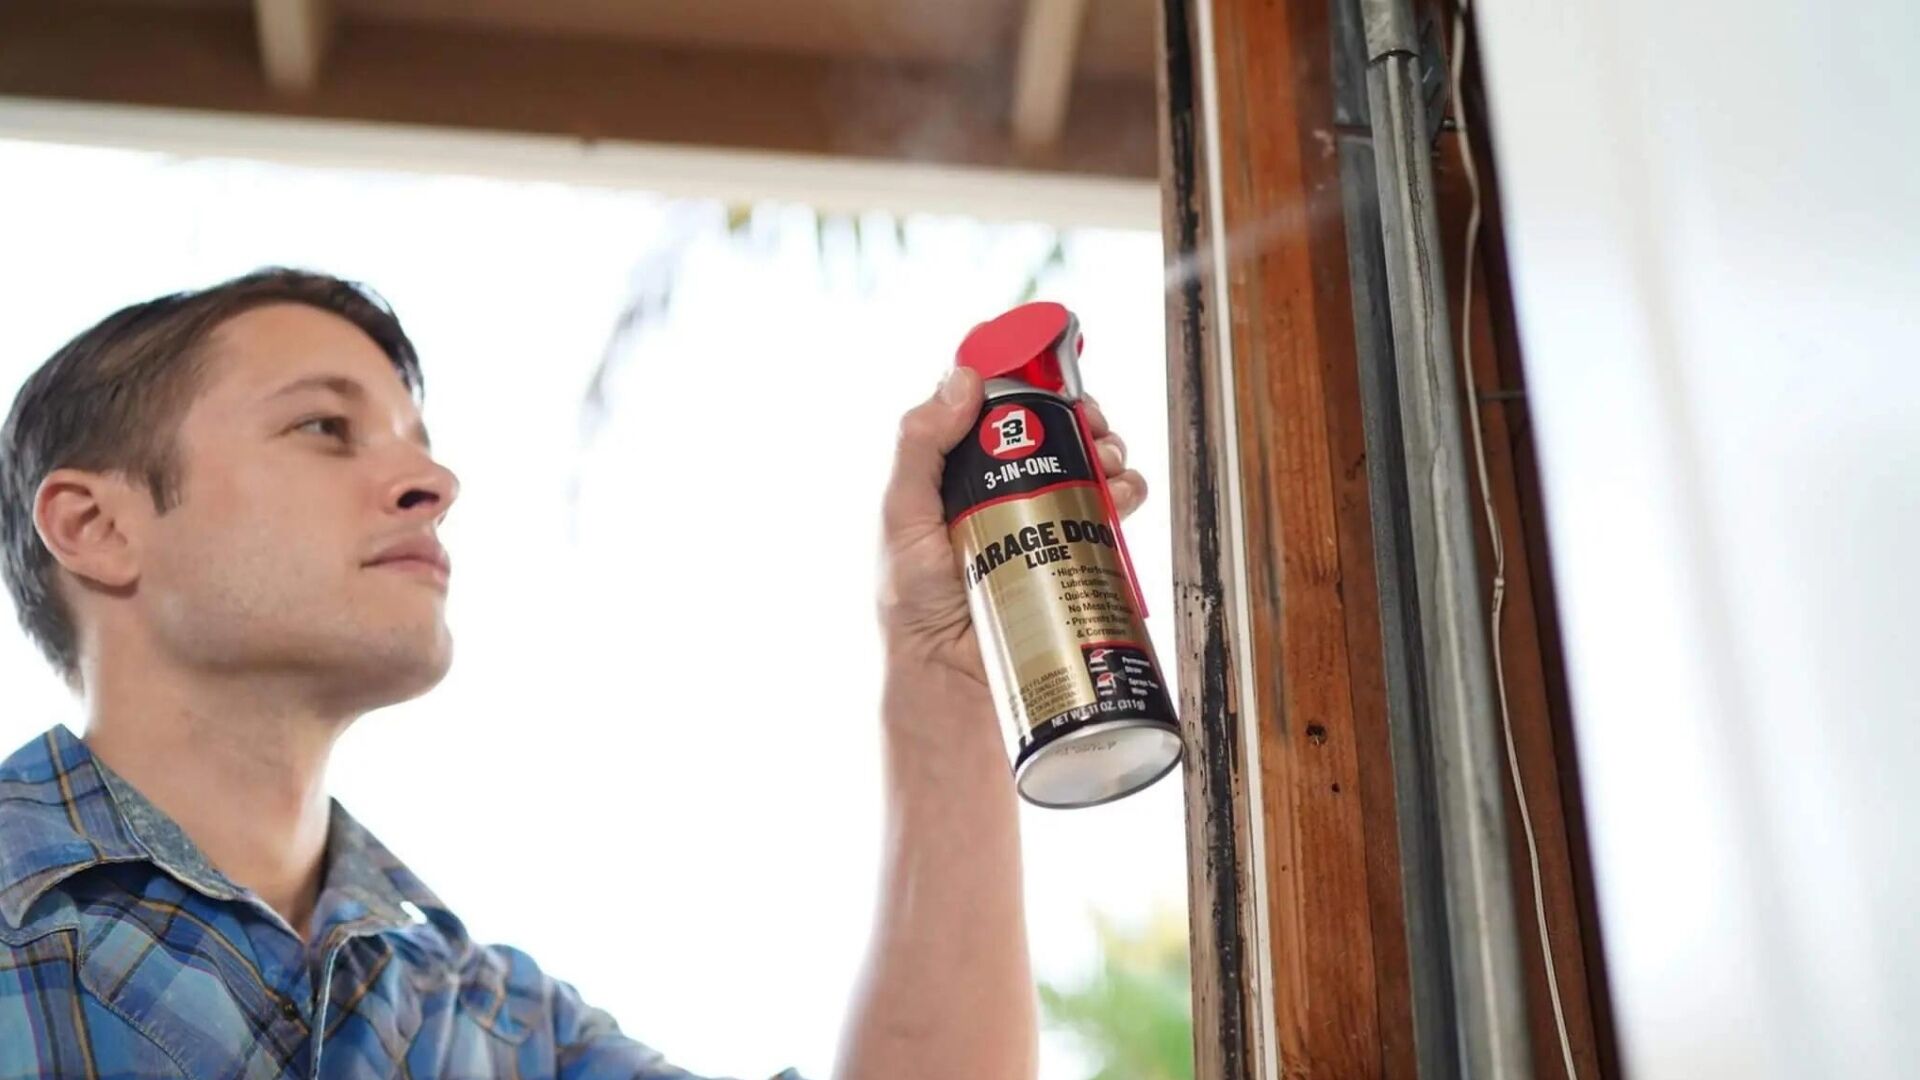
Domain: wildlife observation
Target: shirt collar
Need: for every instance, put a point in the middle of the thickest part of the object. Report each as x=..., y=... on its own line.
x=368, y=888
x=63, y=811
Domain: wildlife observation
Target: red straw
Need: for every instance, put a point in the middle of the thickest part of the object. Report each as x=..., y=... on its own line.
x=1113, y=513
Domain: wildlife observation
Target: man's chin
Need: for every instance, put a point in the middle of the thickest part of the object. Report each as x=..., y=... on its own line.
x=419, y=680
x=395, y=672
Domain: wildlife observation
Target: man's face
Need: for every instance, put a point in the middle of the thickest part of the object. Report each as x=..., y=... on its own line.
x=302, y=543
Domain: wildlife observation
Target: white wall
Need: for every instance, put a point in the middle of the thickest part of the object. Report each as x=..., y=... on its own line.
x=1714, y=215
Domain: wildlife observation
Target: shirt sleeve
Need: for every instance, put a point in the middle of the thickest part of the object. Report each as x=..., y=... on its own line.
x=589, y=1045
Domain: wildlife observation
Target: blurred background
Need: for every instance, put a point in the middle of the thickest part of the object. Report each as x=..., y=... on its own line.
x=617, y=228
x=617, y=377
x=644, y=249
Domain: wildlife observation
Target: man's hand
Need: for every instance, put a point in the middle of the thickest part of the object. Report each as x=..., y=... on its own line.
x=923, y=602
x=948, y=993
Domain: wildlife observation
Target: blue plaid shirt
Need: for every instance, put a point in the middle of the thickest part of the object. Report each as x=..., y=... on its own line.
x=124, y=955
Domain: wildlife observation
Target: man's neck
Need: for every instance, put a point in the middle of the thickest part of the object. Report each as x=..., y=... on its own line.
x=240, y=766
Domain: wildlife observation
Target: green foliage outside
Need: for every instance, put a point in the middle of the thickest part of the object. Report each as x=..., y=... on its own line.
x=1133, y=1014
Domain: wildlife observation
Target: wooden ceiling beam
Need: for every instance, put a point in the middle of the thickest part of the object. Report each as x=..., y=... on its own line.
x=1043, y=76
x=595, y=89
x=293, y=36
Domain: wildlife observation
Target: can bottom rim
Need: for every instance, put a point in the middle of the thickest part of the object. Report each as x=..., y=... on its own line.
x=1098, y=764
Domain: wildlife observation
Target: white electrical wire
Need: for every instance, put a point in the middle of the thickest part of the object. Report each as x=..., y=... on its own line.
x=1493, y=532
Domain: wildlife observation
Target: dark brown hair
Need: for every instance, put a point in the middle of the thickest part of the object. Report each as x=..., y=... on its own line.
x=111, y=401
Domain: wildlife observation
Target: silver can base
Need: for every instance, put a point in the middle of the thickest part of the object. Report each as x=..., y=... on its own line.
x=1098, y=764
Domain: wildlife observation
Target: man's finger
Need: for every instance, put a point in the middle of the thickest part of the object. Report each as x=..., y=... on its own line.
x=1129, y=490
x=1113, y=453
x=1096, y=417
x=927, y=432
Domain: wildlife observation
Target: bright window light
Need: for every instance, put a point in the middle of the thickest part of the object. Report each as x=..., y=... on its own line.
x=654, y=766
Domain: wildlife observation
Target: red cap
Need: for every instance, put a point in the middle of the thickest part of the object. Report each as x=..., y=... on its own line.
x=1018, y=343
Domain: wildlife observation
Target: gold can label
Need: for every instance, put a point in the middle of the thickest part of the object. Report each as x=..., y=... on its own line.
x=1050, y=595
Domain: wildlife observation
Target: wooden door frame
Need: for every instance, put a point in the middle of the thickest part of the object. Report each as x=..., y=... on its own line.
x=1312, y=890
x=1298, y=949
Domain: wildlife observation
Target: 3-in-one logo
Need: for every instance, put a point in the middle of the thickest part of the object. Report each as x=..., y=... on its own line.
x=1011, y=432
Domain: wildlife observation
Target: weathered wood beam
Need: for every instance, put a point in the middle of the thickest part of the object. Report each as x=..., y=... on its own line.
x=293, y=38
x=592, y=89
x=1225, y=893
x=1043, y=74
x=1300, y=960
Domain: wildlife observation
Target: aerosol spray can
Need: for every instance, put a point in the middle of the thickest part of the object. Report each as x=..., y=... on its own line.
x=1054, y=598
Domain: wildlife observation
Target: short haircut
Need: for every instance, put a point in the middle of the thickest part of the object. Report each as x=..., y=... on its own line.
x=111, y=401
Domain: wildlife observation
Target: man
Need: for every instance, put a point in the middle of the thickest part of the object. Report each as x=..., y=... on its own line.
x=218, y=515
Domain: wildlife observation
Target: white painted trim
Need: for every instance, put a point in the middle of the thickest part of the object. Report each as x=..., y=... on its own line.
x=828, y=183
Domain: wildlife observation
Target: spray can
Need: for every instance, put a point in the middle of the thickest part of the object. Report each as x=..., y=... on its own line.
x=1054, y=598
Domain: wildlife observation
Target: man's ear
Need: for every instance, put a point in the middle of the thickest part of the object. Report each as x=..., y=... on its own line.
x=86, y=521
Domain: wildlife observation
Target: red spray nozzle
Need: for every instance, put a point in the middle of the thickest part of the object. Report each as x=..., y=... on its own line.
x=1019, y=343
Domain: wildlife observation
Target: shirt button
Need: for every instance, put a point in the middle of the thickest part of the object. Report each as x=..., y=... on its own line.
x=289, y=1010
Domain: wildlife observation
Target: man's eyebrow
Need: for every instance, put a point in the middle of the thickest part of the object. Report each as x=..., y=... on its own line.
x=339, y=384
x=347, y=388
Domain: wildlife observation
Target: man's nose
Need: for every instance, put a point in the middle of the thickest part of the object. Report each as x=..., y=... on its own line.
x=428, y=490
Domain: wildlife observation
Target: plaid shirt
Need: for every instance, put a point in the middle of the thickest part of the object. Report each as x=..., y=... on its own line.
x=125, y=955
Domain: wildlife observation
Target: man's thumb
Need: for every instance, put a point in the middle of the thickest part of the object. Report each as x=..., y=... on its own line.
x=926, y=434
x=960, y=393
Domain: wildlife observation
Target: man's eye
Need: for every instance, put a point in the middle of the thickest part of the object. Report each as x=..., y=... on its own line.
x=333, y=427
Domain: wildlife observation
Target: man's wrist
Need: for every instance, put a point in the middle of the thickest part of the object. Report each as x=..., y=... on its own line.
x=938, y=720
x=919, y=666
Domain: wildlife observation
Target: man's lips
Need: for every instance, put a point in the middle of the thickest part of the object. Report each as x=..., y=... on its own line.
x=417, y=555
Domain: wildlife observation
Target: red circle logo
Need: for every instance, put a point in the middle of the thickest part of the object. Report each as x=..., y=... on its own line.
x=1011, y=432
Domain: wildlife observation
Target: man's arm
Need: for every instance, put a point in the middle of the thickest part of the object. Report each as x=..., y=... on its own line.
x=948, y=990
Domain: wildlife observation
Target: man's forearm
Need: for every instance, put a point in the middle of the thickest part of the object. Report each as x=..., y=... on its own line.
x=948, y=990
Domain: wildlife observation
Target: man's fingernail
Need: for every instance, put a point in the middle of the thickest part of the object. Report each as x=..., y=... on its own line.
x=953, y=390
